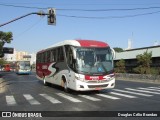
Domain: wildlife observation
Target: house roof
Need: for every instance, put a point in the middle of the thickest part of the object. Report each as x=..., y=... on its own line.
x=132, y=53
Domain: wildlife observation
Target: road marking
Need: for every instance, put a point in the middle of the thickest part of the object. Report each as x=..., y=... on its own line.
x=31, y=100
x=51, y=99
x=145, y=91
x=124, y=95
x=10, y=101
x=89, y=97
x=68, y=97
x=108, y=96
x=152, y=89
x=142, y=94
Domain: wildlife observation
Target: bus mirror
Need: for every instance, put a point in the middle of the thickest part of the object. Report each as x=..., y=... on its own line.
x=113, y=53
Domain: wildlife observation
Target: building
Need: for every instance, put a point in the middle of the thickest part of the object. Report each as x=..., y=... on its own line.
x=130, y=56
x=20, y=55
x=17, y=55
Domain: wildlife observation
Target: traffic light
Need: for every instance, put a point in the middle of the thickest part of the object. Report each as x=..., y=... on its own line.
x=51, y=16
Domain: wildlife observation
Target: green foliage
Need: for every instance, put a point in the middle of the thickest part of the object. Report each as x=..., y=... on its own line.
x=2, y=61
x=120, y=66
x=144, y=60
x=117, y=49
x=5, y=37
x=155, y=71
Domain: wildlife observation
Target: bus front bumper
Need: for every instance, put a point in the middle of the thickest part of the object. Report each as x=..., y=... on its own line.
x=24, y=72
x=85, y=86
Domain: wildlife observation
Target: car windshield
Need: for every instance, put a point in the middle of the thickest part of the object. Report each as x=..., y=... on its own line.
x=94, y=60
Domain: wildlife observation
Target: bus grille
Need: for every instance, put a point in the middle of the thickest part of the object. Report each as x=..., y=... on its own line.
x=95, y=86
x=96, y=81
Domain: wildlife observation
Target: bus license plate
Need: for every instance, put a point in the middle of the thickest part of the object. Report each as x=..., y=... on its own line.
x=98, y=88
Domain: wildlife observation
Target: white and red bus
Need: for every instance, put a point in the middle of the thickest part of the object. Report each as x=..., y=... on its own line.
x=80, y=65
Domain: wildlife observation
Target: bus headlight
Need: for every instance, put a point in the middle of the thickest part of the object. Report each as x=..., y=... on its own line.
x=79, y=77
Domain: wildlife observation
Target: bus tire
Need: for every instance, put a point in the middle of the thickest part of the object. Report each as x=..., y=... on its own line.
x=64, y=85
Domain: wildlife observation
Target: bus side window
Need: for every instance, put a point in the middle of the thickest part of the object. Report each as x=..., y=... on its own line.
x=60, y=54
x=43, y=58
x=53, y=56
x=48, y=56
x=38, y=58
x=67, y=52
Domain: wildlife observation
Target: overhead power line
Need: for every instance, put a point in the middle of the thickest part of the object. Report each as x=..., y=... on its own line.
x=95, y=10
x=19, y=6
x=84, y=4
x=90, y=10
x=103, y=10
x=109, y=17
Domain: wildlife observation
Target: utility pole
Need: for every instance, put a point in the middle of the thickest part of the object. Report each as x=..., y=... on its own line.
x=51, y=17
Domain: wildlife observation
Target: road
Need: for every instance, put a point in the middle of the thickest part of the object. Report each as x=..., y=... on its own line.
x=27, y=93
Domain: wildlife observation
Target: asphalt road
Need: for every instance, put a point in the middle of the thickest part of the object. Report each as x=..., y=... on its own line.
x=26, y=93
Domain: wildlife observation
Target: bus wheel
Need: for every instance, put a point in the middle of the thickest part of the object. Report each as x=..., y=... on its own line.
x=64, y=85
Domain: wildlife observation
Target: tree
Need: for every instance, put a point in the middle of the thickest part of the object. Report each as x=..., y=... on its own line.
x=2, y=61
x=120, y=66
x=144, y=60
x=117, y=49
x=5, y=37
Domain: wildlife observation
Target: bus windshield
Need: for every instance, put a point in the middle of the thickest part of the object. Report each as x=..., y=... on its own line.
x=94, y=60
x=24, y=65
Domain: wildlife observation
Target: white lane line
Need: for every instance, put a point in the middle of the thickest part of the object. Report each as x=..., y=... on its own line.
x=152, y=89
x=145, y=91
x=30, y=99
x=108, y=96
x=89, y=97
x=68, y=97
x=51, y=99
x=135, y=93
x=10, y=101
x=124, y=95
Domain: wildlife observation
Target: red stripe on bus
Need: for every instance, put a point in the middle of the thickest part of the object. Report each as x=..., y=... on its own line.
x=92, y=43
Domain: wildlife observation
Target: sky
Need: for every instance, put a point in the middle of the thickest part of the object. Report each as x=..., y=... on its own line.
x=111, y=21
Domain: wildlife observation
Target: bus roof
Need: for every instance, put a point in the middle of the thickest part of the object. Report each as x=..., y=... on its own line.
x=80, y=43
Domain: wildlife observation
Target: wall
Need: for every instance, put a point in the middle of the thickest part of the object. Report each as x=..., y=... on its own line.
x=138, y=77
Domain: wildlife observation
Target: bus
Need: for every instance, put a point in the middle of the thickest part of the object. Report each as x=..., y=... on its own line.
x=23, y=67
x=80, y=65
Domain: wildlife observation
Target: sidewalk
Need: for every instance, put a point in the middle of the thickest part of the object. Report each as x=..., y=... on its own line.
x=1, y=84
